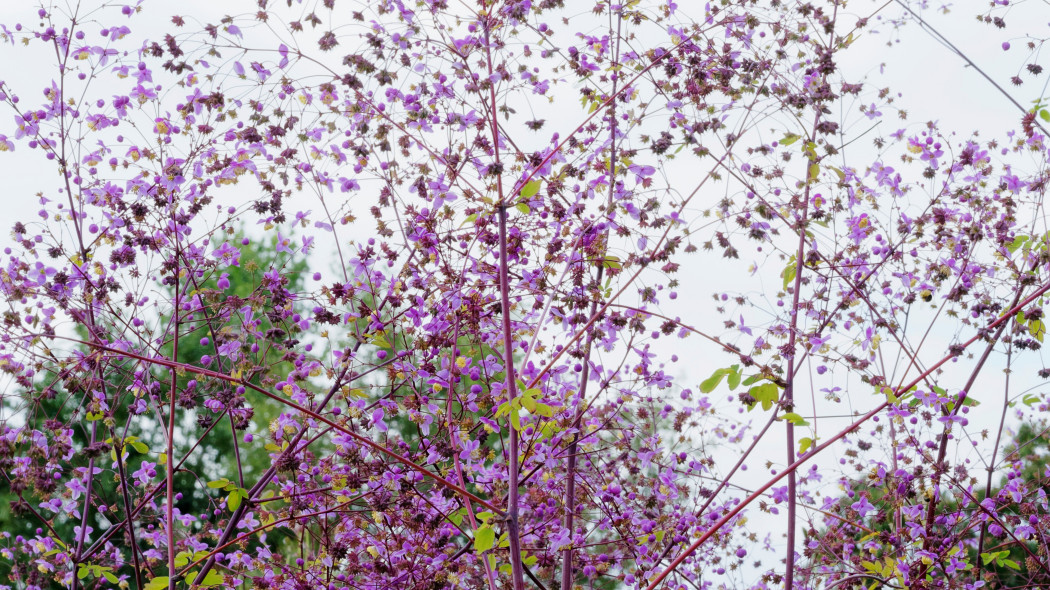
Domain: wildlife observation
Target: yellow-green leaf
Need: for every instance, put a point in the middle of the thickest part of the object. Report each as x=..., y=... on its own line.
x=484, y=538
x=531, y=188
x=233, y=500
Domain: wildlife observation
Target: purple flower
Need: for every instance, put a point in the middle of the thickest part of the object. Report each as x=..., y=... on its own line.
x=862, y=506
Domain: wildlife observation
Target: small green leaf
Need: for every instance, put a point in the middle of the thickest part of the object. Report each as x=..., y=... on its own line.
x=183, y=558
x=379, y=339
x=814, y=171
x=1037, y=329
x=804, y=444
x=531, y=188
x=158, y=583
x=523, y=208
x=1044, y=115
x=733, y=380
x=233, y=500
x=528, y=403
x=789, y=139
x=795, y=419
x=218, y=483
x=1017, y=243
x=708, y=385
x=110, y=577
x=789, y=273
x=213, y=578
x=484, y=538
x=766, y=394
x=752, y=380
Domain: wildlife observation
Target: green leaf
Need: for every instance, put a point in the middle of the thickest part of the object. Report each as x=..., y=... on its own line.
x=1037, y=329
x=456, y=517
x=1009, y=562
x=233, y=500
x=708, y=385
x=789, y=273
x=219, y=483
x=531, y=188
x=484, y=538
x=213, y=578
x=82, y=571
x=814, y=171
x=158, y=583
x=110, y=577
x=804, y=444
x=795, y=419
x=752, y=380
x=1044, y=115
x=523, y=208
x=766, y=394
x=528, y=403
x=183, y=558
x=1017, y=243
x=612, y=262
x=789, y=139
x=379, y=339
x=734, y=378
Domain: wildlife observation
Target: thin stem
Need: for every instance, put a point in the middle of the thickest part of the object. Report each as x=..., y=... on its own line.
x=995, y=447
x=513, y=531
x=170, y=456
x=129, y=521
